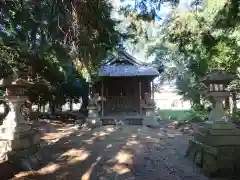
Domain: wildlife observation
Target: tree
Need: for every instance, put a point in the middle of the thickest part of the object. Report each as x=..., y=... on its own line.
x=41, y=39
x=197, y=41
x=207, y=45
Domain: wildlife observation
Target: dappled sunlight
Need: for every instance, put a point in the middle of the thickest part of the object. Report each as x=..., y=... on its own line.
x=172, y=135
x=101, y=133
x=119, y=169
x=49, y=169
x=75, y=155
x=89, y=141
x=109, y=146
x=131, y=142
x=152, y=139
x=80, y=134
x=87, y=174
x=54, y=137
x=161, y=135
x=109, y=151
x=134, y=135
x=123, y=157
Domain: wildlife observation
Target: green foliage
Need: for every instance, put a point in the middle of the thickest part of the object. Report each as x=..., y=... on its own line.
x=1, y=92
x=201, y=42
x=182, y=115
x=235, y=116
x=47, y=39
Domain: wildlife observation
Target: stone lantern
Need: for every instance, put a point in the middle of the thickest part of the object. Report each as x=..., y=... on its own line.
x=216, y=145
x=18, y=141
x=217, y=83
x=93, y=119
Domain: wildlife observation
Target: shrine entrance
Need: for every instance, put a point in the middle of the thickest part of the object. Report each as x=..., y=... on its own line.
x=122, y=94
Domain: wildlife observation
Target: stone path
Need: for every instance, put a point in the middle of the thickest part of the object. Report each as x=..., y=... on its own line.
x=114, y=153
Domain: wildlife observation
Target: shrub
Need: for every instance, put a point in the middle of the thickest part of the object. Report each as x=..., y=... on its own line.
x=182, y=115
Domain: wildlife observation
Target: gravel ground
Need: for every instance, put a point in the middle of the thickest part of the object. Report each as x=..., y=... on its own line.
x=113, y=153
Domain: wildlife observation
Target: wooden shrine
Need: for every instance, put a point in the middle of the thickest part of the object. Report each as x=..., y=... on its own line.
x=123, y=83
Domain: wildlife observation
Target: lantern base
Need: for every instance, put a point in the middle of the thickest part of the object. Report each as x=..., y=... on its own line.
x=149, y=116
x=216, y=148
x=93, y=119
x=18, y=141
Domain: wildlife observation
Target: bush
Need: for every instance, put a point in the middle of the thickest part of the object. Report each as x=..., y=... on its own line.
x=235, y=116
x=182, y=115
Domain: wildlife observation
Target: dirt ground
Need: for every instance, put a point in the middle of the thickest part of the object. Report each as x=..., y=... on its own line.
x=113, y=153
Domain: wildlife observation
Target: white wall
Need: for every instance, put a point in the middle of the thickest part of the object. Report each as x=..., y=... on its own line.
x=168, y=98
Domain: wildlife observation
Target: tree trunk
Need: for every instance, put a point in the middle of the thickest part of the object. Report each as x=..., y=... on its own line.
x=197, y=101
x=227, y=103
x=71, y=104
x=52, y=107
x=234, y=100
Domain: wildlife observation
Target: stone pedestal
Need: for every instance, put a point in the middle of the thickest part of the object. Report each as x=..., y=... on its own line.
x=17, y=139
x=149, y=116
x=218, y=113
x=93, y=119
x=216, y=147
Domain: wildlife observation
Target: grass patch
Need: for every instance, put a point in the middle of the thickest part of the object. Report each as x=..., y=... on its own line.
x=181, y=115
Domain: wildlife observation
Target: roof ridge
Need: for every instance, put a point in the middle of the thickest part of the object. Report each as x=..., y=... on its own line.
x=131, y=58
x=126, y=56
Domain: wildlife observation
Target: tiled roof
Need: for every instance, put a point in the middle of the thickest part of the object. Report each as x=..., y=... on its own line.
x=127, y=70
x=130, y=66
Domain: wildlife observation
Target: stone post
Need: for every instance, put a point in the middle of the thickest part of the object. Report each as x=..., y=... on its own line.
x=93, y=119
x=148, y=112
x=18, y=141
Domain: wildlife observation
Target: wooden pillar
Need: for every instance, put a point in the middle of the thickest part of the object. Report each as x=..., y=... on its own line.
x=102, y=88
x=140, y=97
x=152, y=90
x=90, y=89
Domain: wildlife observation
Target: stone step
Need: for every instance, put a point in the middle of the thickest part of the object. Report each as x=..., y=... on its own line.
x=133, y=121
x=127, y=120
x=108, y=121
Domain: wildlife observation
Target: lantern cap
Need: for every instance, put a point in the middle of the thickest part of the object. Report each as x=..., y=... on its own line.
x=217, y=77
x=19, y=82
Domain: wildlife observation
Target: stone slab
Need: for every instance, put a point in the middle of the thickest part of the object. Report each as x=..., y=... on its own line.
x=234, y=132
x=9, y=135
x=220, y=125
x=209, y=163
x=210, y=150
x=193, y=148
x=18, y=128
x=109, y=121
x=22, y=153
x=22, y=143
x=217, y=140
x=133, y=121
x=150, y=121
x=93, y=121
x=215, y=160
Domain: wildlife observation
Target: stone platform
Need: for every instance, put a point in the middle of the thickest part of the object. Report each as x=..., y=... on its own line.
x=119, y=120
x=216, y=148
x=20, y=148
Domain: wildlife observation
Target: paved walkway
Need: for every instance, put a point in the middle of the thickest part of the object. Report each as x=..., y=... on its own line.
x=114, y=153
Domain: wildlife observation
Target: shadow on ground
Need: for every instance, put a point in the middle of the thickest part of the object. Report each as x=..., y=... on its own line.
x=112, y=153
x=105, y=152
